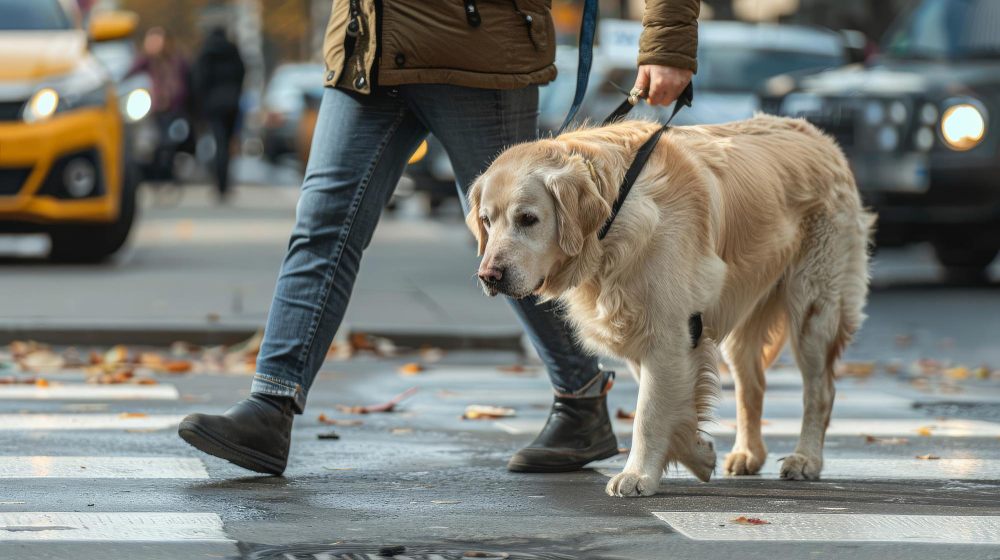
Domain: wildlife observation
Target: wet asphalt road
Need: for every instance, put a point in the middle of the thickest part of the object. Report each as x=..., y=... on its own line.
x=434, y=484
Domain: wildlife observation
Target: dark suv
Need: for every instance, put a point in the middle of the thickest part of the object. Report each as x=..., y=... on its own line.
x=919, y=125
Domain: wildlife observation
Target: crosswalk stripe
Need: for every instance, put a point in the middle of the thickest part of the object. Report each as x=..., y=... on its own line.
x=85, y=392
x=116, y=526
x=101, y=467
x=850, y=527
x=88, y=421
x=836, y=468
x=880, y=427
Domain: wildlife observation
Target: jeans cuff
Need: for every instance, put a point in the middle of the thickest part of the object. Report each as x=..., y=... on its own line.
x=264, y=384
x=598, y=386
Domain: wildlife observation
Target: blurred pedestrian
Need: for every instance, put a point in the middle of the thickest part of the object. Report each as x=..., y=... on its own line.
x=169, y=74
x=469, y=73
x=218, y=82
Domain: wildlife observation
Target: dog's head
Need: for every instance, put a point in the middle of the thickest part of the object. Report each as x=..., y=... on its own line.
x=530, y=211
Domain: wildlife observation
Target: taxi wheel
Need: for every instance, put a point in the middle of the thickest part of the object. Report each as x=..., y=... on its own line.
x=92, y=244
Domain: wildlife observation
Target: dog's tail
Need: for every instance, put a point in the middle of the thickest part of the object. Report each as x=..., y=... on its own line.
x=707, y=387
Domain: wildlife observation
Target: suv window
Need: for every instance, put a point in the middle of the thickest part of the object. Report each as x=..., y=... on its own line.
x=947, y=29
x=32, y=15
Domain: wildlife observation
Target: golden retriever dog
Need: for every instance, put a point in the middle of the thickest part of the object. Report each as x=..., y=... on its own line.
x=756, y=225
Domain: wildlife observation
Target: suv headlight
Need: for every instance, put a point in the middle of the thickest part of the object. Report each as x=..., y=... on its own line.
x=963, y=125
x=82, y=88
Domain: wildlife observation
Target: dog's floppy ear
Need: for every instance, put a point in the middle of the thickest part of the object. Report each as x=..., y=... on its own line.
x=580, y=209
x=472, y=218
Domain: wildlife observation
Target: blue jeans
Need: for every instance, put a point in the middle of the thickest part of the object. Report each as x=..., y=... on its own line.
x=359, y=150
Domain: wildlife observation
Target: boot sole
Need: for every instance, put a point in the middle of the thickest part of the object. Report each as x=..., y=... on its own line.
x=522, y=466
x=207, y=442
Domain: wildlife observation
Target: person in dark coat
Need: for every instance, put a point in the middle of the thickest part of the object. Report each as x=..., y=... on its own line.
x=218, y=81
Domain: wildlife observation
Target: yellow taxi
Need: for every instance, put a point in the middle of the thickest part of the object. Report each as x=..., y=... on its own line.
x=63, y=165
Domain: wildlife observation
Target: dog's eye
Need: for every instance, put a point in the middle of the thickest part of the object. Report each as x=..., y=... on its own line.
x=486, y=221
x=527, y=220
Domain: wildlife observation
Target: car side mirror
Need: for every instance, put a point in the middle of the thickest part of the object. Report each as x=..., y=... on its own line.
x=109, y=26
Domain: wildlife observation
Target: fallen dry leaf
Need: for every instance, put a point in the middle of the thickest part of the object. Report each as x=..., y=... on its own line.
x=486, y=412
x=960, y=372
x=445, y=502
x=387, y=406
x=744, y=520
x=187, y=397
x=95, y=358
x=885, y=441
x=622, y=415
x=401, y=431
x=924, y=431
x=42, y=360
x=116, y=355
x=411, y=369
x=855, y=369
x=516, y=368
x=430, y=354
x=177, y=366
x=981, y=372
x=445, y=393
x=894, y=367
x=623, y=449
x=133, y=415
x=334, y=422
x=928, y=456
x=41, y=382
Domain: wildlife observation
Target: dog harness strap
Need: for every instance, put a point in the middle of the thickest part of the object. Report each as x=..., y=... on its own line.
x=642, y=155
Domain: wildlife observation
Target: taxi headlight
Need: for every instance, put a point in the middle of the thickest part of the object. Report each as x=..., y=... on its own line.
x=963, y=126
x=137, y=104
x=42, y=105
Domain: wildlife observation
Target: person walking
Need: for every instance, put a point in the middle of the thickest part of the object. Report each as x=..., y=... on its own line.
x=397, y=71
x=218, y=82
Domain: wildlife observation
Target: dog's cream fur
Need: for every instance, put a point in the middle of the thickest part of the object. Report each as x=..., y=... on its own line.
x=757, y=225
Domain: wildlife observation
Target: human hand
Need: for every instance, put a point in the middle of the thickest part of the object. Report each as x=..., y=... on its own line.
x=662, y=85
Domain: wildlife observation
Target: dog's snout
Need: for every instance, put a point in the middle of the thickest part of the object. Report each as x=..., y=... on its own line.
x=492, y=274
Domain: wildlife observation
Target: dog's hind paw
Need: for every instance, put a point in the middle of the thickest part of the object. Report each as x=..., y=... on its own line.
x=800, y=467
x=630, y=485
x=740, y=463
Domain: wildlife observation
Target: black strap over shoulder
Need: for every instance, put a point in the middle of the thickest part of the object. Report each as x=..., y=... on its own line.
x=642, y=155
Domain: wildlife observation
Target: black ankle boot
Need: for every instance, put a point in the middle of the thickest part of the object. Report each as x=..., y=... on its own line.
x=578, y=431
x=254, y=434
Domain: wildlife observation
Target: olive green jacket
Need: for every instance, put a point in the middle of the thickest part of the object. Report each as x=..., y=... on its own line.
x=513, y=45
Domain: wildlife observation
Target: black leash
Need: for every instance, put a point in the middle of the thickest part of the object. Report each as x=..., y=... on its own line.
x=695, y=326
x=642, y=155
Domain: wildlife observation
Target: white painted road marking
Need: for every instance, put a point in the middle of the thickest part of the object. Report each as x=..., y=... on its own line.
x=87, y=422
x=849, y=527
x=835, y=468
x=155, y=527
x=880, y=427
x=101, y=467
x=85, y=392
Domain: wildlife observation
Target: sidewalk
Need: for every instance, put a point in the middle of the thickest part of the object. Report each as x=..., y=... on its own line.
x=198, y=271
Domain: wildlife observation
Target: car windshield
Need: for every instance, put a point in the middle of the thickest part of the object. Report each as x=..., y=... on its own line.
x=946, y=29
x=32, y=15
x=742, y=69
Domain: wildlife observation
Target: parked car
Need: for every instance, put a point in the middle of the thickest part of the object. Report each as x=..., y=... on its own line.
x=289, y=107
x=63, y=169
x=918, y=123
x=734, y=59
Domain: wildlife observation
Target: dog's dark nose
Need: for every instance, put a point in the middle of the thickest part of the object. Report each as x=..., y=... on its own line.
x=492, y=275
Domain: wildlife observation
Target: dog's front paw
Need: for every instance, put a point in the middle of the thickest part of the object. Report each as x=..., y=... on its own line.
x=800, y=467
x=743, y=462
x=629, y=485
